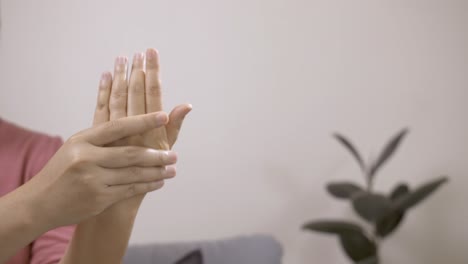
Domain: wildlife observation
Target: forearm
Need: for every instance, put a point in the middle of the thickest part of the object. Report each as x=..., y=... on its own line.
x=21, y=222
x=104, y=238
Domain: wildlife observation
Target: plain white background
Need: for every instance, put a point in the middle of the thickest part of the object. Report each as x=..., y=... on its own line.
x=269, y=80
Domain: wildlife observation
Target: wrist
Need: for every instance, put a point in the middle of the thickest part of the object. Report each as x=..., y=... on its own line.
x=35, y=207
x=128, y=207
x=20, y=225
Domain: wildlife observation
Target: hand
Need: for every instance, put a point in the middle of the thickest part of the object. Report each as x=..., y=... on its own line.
x=119, y=98
x=104, y=238
x=142, y=94
x=83, y=178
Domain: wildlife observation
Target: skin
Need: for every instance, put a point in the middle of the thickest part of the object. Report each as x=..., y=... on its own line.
x=104, y=238
x=87, y=175
x=103, y=172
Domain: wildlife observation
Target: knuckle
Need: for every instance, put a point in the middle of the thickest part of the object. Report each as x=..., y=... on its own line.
x=161, y=172
x=153, y=89
x=120, y=71
x=137, y=87
x=78, y=158
x=155, y=174
x=74, y=139
x=101, y=106
x=136, y=172
x=131, y=153
x=160, y=157
x=118, y=103
x=113, y=125
x=102, y=103
x=118, y=96
x=153, y=65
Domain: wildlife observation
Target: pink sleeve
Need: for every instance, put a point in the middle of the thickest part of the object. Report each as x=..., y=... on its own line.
x=50, y=247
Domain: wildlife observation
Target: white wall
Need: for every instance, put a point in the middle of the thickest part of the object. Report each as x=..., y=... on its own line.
x=269, y=81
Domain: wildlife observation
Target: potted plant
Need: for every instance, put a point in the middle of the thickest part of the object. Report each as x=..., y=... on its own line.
x=383, y=212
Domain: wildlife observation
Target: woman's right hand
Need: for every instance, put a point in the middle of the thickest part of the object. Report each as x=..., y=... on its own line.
x=84, y=178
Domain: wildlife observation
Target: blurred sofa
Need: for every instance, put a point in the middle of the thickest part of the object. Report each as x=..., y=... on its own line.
x=254, y=249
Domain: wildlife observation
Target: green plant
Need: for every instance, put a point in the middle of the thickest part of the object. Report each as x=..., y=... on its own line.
x=383, y=212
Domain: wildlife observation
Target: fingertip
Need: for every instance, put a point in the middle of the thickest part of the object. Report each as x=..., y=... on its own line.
x=106, y=76
x=120, y=66
x=162, y=118
x=121, y=60
x=170, y=157
x=156, y=185
x=138, y=60
x=138, y=56
x=187, y=109
x=170, y=171
x=181, y=110
x=151, y=53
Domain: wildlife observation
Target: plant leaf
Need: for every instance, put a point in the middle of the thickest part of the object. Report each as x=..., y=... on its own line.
x=389, y=223
x=371, y=260
x=358, y=246
x=350, y=147
x=343, y=190
x=333, y=227
x=419, y=194
x=352, y=237
x=388, y=151
x=371, y=206
x=399, y=191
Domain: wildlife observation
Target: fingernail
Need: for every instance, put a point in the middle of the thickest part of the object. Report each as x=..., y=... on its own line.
x=138, y=57
x=190, y=106
x=151, y=54
x=105, y=77
x=170, y=156
x=121, y=60
x=170, y=171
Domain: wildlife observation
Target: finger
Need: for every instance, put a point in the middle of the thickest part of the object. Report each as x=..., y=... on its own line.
x=176, y=118
x=116, y=129
x=131, y=175
x=118, y=98
x=101, y=114
x=122, y=157
x=136, y=89
x=152, y=82
x=121, y=192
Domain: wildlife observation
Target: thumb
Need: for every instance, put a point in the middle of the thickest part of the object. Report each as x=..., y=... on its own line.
x=176, y=118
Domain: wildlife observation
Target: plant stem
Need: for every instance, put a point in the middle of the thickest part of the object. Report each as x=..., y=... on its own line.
x=369, y=181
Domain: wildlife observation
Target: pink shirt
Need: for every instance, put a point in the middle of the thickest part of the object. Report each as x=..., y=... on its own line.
x=23, y=153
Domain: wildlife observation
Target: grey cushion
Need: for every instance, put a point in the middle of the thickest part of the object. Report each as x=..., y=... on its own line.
x=255, y=249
